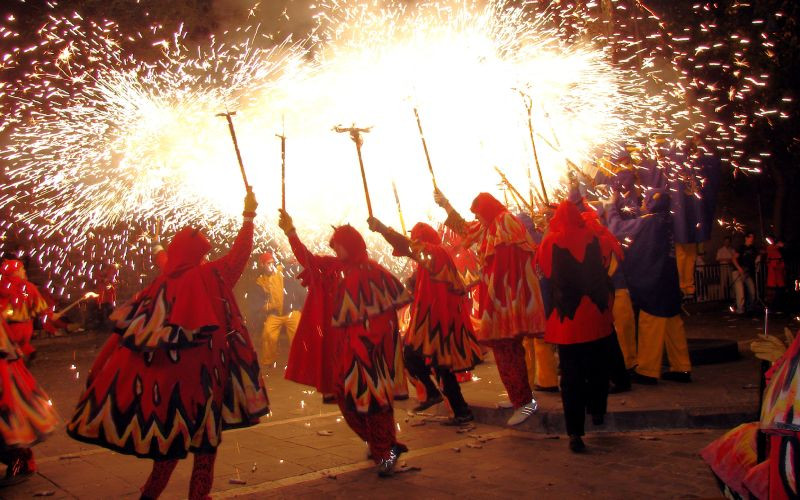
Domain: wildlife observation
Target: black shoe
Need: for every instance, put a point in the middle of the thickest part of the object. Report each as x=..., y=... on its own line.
x=387, y=465
x=618, y=388
x=682, y=377
x=16, y=473
x=576, y=444
x=638, y=378
x=598, y=419
x=539, y=388
x=460, y=420
x=432, y=400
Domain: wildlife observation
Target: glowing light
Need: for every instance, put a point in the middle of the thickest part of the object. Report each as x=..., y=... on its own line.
x=133, y=148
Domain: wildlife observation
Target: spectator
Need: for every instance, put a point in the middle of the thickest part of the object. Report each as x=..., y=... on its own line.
x=744, y=263
x=725, y=255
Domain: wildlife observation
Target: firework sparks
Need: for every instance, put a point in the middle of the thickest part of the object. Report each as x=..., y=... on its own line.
x=104, y=147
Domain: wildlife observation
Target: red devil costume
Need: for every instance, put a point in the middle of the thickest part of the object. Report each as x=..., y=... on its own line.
x=21, y=303
x=742, y=467
x=179, y=368
x=574, y=262
x=26, y=414
x=106, y=295
x=347, y=337
x=510, y=303
x=440, y=334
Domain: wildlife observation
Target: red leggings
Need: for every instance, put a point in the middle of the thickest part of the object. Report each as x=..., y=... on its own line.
x=509, y=355
x=377, y=429
x=200, y=485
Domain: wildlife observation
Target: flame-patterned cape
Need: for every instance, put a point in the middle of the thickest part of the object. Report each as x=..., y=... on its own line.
x=349, y=328
x=510, y=299
x=20, y=303
x=26, y=414
x=314, y=352
x=180, y=366
x=20, y=300
x=440, y=329
x=464, y=258
x=733, y=457
x=576, y=288
x=780, y=412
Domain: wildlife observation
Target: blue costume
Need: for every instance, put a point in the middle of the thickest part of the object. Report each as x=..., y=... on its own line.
x=652, y=278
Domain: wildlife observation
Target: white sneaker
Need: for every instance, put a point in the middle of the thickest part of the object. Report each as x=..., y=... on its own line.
x=522, y=413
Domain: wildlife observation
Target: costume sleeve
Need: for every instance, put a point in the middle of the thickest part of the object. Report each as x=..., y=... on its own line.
x=231, y=265
x=456, y=223
x=48, y=323
x=400, y=244
x=618, y=226
x=301, y=253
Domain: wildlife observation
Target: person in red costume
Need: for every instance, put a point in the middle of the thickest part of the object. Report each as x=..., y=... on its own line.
x=347, y=337
x=440, y=335
x=761, y=459
x=179, y=367
x=21, y=303
x=776, y=270
x=574, y=261
x=510, y=305
x=27, y=414
x=106, y=294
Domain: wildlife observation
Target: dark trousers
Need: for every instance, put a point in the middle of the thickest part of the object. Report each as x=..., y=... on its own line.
x=584, y=381
x=416, y=366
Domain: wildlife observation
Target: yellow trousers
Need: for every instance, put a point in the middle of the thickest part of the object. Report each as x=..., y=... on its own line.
x=540, y=359
x=272, y=330
x=686, y=255
x=654, y=334
x=625, y=325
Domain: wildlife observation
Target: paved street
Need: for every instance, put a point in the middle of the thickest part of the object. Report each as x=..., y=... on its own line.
x=290, y=459
x=305, y=449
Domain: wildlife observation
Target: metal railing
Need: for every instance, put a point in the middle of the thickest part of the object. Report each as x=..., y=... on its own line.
x=714, y=282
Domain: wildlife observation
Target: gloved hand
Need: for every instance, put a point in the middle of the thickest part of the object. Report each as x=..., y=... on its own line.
x=250, y=203
x=285, y=222
x=768, y=348
x=376, y=225
x=441, y=200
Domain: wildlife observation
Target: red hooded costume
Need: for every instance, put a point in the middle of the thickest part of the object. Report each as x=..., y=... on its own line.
x=20, y=303
x=347, y=337
x=574, y=259
x=180, y=366
x=26, y=414
x=440, y=327
x=509, y=295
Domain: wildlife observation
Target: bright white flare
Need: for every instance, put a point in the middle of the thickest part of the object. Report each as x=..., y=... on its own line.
x=130, y=142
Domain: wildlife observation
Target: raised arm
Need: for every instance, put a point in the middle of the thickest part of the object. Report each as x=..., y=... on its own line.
x=231, y=265
x=400, y=244
x=303, y=255
x=454, y=220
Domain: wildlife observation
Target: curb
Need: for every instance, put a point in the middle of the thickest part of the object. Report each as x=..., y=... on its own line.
x=552, y=422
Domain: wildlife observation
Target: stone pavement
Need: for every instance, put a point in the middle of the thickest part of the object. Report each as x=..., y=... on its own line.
x=291, y=459
x=289, y=454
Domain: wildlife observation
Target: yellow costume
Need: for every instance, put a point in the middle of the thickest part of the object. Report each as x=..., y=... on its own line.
x=272, y=284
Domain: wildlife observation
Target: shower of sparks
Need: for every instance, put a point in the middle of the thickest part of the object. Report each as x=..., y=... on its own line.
x=105, y=148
